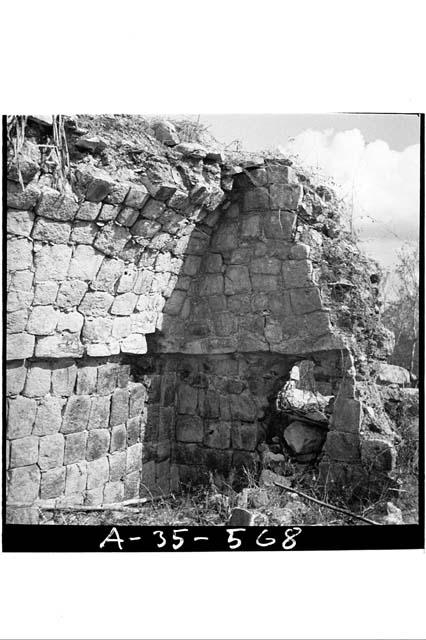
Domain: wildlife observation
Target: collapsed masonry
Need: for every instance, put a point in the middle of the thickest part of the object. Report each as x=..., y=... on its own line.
x=158, y=300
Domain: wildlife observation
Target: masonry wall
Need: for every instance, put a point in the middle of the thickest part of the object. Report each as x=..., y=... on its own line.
x=153, y=315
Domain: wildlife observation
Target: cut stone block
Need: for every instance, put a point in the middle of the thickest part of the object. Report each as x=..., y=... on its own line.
x=66, y=345
x=76, y=478
x=19, y=223
x=96, y=303
x=49, y=416
x=52, y=483
x=84, y=232
x=42, y=321
x=21, y=416
x=51, y=452
x=50, y=231
x=19, y=346
x=38, y=380
x=63, y=378
x=97, y=443
x=76, y=414
x=112, y=239
x=71, y=293
x=19, y=254
x=134, y=343
x=24, y=485
x=45, y=293
x=75, y=447
x=56, y=205
x=97, y=473
x=52, y=262
x=23, y=452
x=85, y=262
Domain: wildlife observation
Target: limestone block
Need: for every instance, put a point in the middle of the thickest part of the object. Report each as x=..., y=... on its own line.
x=97, y=443
x=134, y=343
x=138, y=397
x=52, y=262
x=21, y=281
x=218, y=435
x=243, y=407
x=96, y=303
x=88, y=211
x=86, y=380
x=273, y=331
x=112, y=239
x=282, y=174
x=24, y=484
x=166, y=133
x=23, y=199
x=113, y=492
x=99, y=412
x=19, y=223
x=76, y=414
x=121, y=327
x=51, y=453
x=280, y=224
x=50, y=231
x=63, y=378
x=212, y=284
x=19, y=300
x=145, y=228
x=99, y=349
x=299, y=251
x=264, y=282
x=21, y=416
x=266, y=265
x=118, y=438
x=76, y=477
x=56, y=205
x=256, y=199
x=97, y=329
x=19, y=254
x=244, y=436
x=85, y=263
x=23, y=451
x=124, y=304
x=119, y=407
x=285, y=196
x=392, y=374
x=15, y=377
x=117, y=466
x=71, y=293
x=305, y=300
x=250, y=226
x=237, y=279
x=94, y=497
x=45, y=292
x=189, y=428
x=153, y=209
x=144, y=281
x=108, y=274
x=342, y=446
x=71, y=321
x=52, y=483
x=38, y=380
x=297, y=273
x=134, y=458
x=42, y=320
x=66, y=345
x=174, y=304
x=16, y=321
x=49, y=416
x=107, y=378
x=75, y=447
x=133, y=427
x=304, y=439
x=84, y=232
x=377, y=455
x=99, y=187
x=132, y=485
x=109, y=212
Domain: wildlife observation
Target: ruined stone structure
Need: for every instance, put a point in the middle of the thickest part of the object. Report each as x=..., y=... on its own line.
x=158, y=297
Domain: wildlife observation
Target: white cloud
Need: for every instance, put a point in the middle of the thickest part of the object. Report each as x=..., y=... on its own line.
x=382, y=183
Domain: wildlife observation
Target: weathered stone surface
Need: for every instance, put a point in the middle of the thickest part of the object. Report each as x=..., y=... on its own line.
x=285, y=196
x=392, y=374
x=118, y=438
x=134, y=458
x=15, y=377
x=305, y=300
x=76, y=414
x=303, y=439
x=96, y=303
x=38, y=380
x=241, y=518
x=343, y=446
x=42, y=320
x=132, y=485
x=378, y=455
x=187, y=399
x=97, y=472
x=299, y=251
x=86, y=380
x=134, y=343
x=99, y=188
x=244, y=436
x=63, y=378
x=51, y=453
x=71, y=321
x=19, y=254
x=64, y=345
x=71, y=293
x=136, y=197
x=76, y=478
x=75, y=447
x=282, y=174
x=16, y=321
x=97, y=443
x=24, y=485
x=19, y=223
x=166, y=133
x=218, y=435
x=88, y=211
x=133, y=427
x=52, y=483
x=83, y=232
x=21, y=416
x=97, y=329
x=49, y=416
x=243, y=407
x=261, y=282
x=266, y=265
x=56, y=205
x=236, y=280
x=19, y=346
x=85, y=263
x=138, y=397
x=45, y=293
x=189, y=429
x=145, y=228
x=113, y=492
x=109, y=212
x=119, y=407
x=111, y=239
x=124, y=304
x=23, y=199
x=280, y=224
x=23, y=451
x=48, y=231
x=117, y=466
x=256, y=199
x=52, y=262
x=297, y=273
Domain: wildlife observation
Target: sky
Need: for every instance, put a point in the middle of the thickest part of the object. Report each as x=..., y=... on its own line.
x=374, y=157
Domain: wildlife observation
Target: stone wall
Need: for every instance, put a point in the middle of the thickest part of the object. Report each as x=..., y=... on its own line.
x=155, y=307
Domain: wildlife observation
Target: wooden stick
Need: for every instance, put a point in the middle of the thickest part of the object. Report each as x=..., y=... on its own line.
x=325, y=504
x=114, y=506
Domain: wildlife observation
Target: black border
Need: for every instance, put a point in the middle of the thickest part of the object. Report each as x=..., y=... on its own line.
x=71, y=538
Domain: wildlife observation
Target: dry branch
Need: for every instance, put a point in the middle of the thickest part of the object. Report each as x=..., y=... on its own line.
x=325, y=504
